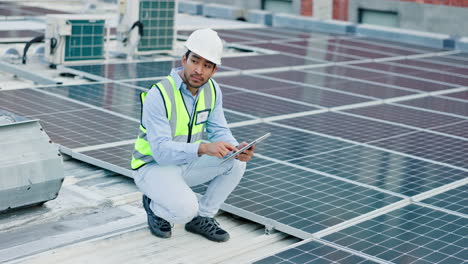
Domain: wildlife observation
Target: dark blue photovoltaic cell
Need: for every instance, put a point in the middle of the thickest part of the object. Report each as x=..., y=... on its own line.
x=119, y=156
x=303, y=200
x=458, y=129
x=371, y=45
x=405, y=115
x=347, y=127
x=233, y=118
x=460, y=95
x=134, y=70
x=111, y=96
x=386, y=170
x=338, y=83
x=266, y=61
x=383, y=78
x=433, y=66
x=144, y=84
x=429, y=75
x=286, y=143
x=429, y=146
x=412, y=234
x=260, y=106
x=314, y=252
x=439, y=104
x=28, y=102
x=455, y=200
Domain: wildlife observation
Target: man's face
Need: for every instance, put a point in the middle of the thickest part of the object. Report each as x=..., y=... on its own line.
x=197, y=71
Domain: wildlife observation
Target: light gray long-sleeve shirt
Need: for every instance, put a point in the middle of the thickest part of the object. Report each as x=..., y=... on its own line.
x=158, y=130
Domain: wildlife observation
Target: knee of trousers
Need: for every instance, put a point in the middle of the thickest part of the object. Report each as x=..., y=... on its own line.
x=182, y=211
x=238, y=169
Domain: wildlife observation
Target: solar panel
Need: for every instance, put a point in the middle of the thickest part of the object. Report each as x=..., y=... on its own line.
x=397, y=44
x=266, y=61
x=433, y=66
x=87, y=127
x=382, y=169
x=429, y=146
x=371, y=45
x=29, y=102
x=448, y=59
x=133, y=70
x=460, y=95
x=439, y=104
x=383, y=78
x=111, y=96
x=119, y=156
x=341, y=84
x=346, y=127
x=314, y=252
x=324, y=55
x=454, y=200
x=330, y=47
x=458, y=129
x=287, y=143
x=261, y=106
x=406, y=116
x=303, y=200
x=429, y=75
x=281, y=33
x=412, y=234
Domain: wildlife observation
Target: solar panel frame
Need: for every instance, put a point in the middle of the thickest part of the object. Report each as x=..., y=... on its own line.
x=410, y=234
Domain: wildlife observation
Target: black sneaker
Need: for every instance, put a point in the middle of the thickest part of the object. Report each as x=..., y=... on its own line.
x=158, y=226
x=207, y=227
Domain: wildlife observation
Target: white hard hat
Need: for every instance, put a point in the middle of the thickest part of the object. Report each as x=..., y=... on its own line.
x=206, y=43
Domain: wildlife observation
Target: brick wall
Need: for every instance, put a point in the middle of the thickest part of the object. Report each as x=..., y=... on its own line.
x=306, y=7
x=340, y=9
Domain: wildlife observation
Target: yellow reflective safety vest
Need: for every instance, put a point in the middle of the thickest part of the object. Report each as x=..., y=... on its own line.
x=185, y=126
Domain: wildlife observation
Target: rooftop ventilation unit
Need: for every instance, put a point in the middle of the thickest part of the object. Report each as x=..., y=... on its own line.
x=71, y=38
x=146, y=26
x=31, y=167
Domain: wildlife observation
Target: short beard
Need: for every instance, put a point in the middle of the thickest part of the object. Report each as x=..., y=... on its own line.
x=187, y=80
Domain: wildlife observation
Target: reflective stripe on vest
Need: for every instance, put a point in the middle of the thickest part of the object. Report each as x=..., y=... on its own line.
x=183, y=128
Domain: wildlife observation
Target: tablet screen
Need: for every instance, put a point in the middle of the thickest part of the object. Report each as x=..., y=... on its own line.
x=258, y=140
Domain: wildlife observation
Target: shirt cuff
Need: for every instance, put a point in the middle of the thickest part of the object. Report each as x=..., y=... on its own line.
x=192, y=150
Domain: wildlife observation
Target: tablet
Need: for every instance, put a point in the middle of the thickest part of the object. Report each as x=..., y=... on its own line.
x=256, y=141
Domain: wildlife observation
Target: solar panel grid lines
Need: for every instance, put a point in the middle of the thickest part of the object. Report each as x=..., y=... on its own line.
x=390, y=49
x=409, y=75
x=297, y=51
x=454, y=200
x=434, y=66
x=415, y=71
x=422, y=121
x=360, y=80
x=113, y=97
x=430, y=146
x=410, y=234
x=313, y=251
x=451, y=60
x=403, y=175
x=439, y=105
x=407, y=46
x=304, y=200
x=459, y=129
x=343, y=96
x=318, y=171
x=348, y=47
x=461, y=96
x=381, y=77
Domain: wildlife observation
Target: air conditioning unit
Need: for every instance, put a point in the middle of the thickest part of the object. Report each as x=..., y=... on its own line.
x=71, y=38
x=146, y=26
x=31, y=167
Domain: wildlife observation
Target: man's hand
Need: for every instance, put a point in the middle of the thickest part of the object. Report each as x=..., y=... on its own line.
x=218, y=149
x=247, y=154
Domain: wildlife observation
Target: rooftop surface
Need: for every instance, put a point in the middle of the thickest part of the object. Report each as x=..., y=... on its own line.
x=367, y=161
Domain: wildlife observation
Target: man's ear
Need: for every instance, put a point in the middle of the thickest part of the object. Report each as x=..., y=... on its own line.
x=184, y=60
x=215, y=69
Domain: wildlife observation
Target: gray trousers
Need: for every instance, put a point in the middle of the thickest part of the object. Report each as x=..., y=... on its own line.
x=168, y=187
